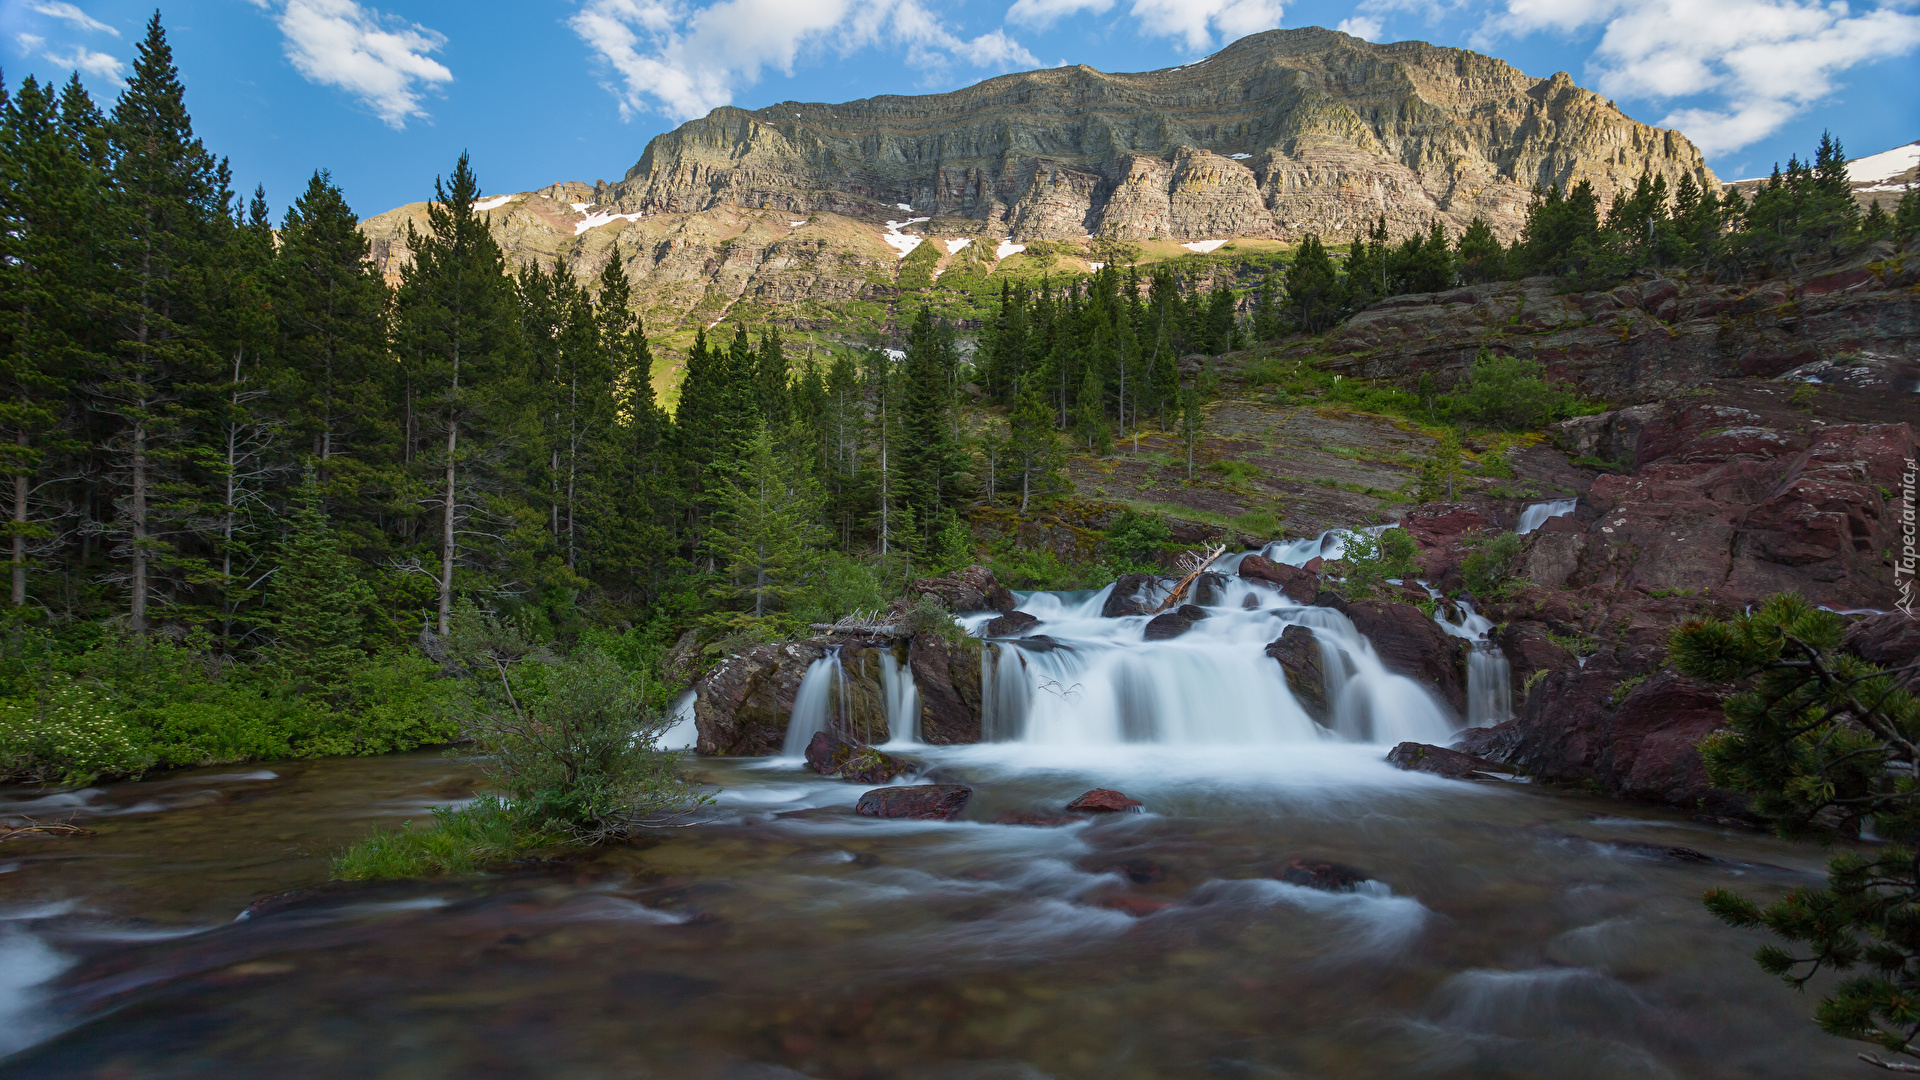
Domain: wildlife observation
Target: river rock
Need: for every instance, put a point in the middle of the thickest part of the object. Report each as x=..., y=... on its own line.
x=1440, y=761
x=947, y=673
x=1209, y=589
x=1129, y=596
x=1321, y=874
x=1296, y=584
x=1012, y=624
x=1105, y=801
x=972, y=589
x=843, y=759
x=1170, y=624
x=1528, y=649
x=1409, y=644
x=746, y=699
x=919, y=802
x=1298, y=652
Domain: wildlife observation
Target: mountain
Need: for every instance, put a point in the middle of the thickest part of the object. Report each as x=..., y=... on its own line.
x=801, y=214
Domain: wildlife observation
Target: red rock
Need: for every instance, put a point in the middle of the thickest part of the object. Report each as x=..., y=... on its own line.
x=947, y=675
x=1313, y=565
x=1127, y=596
x=919, y=802
x=1012, y=624
x=1105, y=801
x=1295, y=583
x=1299, y=655
x=1410, y=644
x=1890, y=639
x=972, y=589
x=1321, y=874
x=831, y=755
x=1440, y=761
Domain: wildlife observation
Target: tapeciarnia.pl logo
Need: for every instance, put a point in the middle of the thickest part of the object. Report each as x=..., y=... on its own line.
x=1903, y=564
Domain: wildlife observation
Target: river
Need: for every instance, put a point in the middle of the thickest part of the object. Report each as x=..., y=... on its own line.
x=1500, y=931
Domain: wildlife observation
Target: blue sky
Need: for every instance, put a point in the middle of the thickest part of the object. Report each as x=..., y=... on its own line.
x=387, y=95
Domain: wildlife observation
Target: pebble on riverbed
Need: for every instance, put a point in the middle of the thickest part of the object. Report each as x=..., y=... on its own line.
x=917, y=802
x=1105, y=801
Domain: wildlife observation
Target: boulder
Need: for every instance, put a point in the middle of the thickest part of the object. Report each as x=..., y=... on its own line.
x=1173, y=623
x=947, y=675
x=746, y=699
x=1321, y=874
x=1409, y=644
x=1209, y=589
x=919, y=802
x=1294, y=583
x=972, y=589
x=1104, y=801
x=1129, y=596
x=1528, y=649
x=1440, y=761
x=1012, y=624
x=1298, y=652
x=843, y=759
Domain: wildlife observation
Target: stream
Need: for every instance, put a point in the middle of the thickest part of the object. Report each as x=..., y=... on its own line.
x=1499, y=931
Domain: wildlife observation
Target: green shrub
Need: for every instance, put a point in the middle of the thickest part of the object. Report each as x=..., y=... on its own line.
x=1370, y=561
x=1490, y=567
x=460, y=841
x=1508, y=392
x=66, y=734
x=841, y=586
x=1234, y=470
x=1134, y=538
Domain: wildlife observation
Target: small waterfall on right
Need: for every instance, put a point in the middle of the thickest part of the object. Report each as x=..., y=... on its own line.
x=1536, y=514
x=1489, y=675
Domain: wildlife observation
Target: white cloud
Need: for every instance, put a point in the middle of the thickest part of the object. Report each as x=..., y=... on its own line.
x=685, y=60
x=70, y=14
x=1194, y=22
x=1362, y=26
x=29, y=42
x=89, y=62
x=1041, y=14
x=380, y=60
x=1764, y=60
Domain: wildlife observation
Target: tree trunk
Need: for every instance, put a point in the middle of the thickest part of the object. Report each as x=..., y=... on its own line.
x=446, y=533
x=20, y=489
x=137, y=510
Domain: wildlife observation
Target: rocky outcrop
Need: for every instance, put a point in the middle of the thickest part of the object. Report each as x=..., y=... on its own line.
x=1634, y=736
x=1278, y=134
x=746, y=699
x=920, y=802
x=1410, y=644
x=1890, y=639
x=1012, y=624
x=1296, y=584
x=1298, y=652
x=972, y=589
x=1647, y=339
x=947, y=674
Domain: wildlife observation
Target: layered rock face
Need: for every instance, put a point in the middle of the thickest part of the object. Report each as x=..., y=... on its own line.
x=1279, y=134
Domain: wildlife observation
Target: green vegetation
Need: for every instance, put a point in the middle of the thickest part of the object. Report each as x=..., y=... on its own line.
x=1368, y=562
x=466, y=840
x=1490, y=567
x=1134, y=539
x=1823, y=742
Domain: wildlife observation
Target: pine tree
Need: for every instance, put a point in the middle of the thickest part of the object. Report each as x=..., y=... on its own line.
x=1440, y=470
x=165, y=209
x=1193, y=423
x=928, y=459
x=631, y=491
x=1313, y=290
x=766, y=529
x=459, y=335
x=1479, y=254
x=1033, y=446
x=50, y=202
x=319, y=601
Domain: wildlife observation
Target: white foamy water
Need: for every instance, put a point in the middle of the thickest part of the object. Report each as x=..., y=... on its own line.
x=1536, y=514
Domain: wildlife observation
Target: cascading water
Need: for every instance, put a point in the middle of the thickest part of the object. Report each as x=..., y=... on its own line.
x=814, y=703
x=902, y=701
x=1536, y=514
x=1489, y=675
x=1096, y=681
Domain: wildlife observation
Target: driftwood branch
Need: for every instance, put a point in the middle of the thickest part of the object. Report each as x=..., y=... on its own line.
x=1198, y=564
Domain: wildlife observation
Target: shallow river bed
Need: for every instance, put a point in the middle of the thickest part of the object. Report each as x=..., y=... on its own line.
x=1505, y=932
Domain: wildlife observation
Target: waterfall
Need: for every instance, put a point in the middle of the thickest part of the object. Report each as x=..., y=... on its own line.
x=1100, y=683
x=822, y=689
x=1536, y=514
x=1489, y=676
x=1329, y=545
x=902, y=701
x=684, y=734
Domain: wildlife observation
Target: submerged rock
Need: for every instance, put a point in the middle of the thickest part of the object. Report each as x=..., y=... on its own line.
x=1172, y=624
x=1440, y=761
x=1012, y=624
x=1321, y=874
x=1105, y=801
x=843, y=759
x=1298, y=652
x=918, y=802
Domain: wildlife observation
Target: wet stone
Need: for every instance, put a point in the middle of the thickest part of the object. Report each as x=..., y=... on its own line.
x=833, y=755
x=918, y=802
x=1010, y=624
x=1105, y=801
x=1320, y=874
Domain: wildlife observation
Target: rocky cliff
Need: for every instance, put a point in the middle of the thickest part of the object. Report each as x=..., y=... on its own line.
x=1279, y=134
